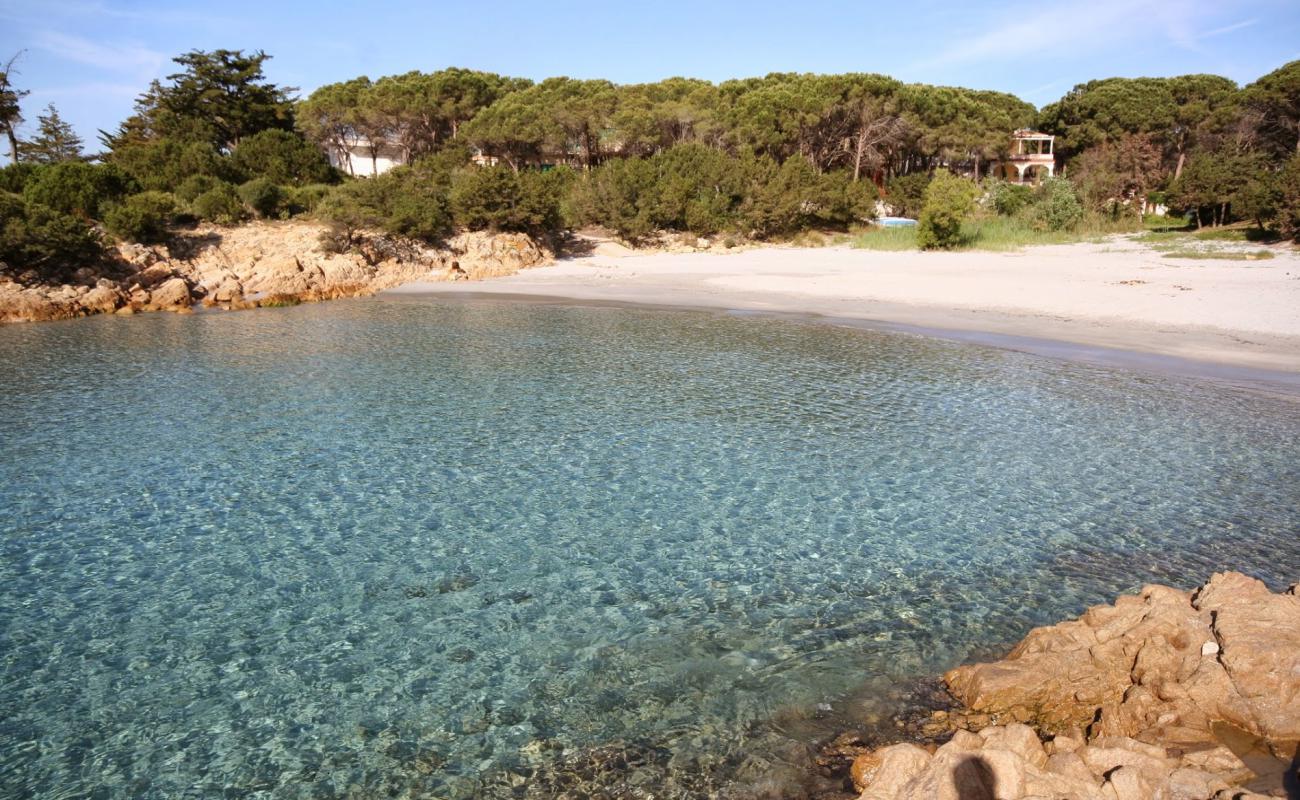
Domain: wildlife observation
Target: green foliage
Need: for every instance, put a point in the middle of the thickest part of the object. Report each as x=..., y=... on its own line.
x=281, y=157
x=1007, y=199
x=15, y=177
x=1288, y=207
x=305, y=199
x=77, y=188
x=193, y=186
x=1275, y=99
x=619, y=195
x=699, y=189
x=407, y=201
x=949, y=200
x=166, y=163
x=1056, y=207
x=498, y=198
x=220, y=204
x=37, y=238
x=142, y=217
x=264, y=196
x=906, y=193
x=793, y=196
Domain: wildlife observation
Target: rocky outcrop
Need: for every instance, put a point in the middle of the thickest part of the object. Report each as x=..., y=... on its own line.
x=1167, y=694
x=266, y=263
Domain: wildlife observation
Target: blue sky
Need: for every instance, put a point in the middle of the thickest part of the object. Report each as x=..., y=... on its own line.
x=92, y=57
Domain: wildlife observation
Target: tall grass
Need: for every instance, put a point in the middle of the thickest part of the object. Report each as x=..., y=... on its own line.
x=994, y=233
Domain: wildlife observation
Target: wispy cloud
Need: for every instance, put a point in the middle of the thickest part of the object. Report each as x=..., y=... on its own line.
x=1236, y=26
x=126, y=59
x=1096, y=27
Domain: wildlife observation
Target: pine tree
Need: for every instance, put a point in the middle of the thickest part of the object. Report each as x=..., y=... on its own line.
x=54, y=142
x=11, y=115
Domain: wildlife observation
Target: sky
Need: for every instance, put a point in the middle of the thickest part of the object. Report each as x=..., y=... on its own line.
x=91, y=58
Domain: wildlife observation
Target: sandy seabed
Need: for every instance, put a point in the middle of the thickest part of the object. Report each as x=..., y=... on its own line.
x=1116, y=302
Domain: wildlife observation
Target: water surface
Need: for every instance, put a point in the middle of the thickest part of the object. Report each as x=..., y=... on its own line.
x=421, y=548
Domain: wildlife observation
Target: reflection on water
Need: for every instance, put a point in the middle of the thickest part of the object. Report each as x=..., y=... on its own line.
x=377, y=548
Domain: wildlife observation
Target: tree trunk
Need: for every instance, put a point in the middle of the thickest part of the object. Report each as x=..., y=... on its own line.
x=1199, y=224
x=1178, y=170
x=13, y=145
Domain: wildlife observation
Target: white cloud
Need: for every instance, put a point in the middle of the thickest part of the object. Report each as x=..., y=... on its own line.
x=127, y=59
x=1094, y=27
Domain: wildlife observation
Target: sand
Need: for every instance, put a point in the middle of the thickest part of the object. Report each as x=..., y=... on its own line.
x=1118, y=300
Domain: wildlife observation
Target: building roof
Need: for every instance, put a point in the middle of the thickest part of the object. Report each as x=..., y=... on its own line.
x=1025, y=133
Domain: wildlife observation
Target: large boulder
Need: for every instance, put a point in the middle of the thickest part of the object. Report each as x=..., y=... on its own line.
x=1163, y=666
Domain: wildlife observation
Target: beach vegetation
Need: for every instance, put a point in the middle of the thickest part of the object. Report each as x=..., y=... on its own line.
x=77, y=188
x=43, y=242
x=220, y=204
x=949, y=200
x=142, y=217
x=263, y=196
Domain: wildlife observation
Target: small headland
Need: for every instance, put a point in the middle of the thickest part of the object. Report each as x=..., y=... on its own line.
x=1165, y=694
x=259, y=264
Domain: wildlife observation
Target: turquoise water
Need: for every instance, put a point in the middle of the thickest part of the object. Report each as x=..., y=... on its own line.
x=408, y=548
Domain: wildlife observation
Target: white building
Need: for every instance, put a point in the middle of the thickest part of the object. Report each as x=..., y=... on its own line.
x=362, y=157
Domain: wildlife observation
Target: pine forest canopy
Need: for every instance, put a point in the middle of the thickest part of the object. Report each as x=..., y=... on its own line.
x=759, y=157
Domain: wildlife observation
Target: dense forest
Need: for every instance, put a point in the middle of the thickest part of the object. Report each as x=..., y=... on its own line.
x=758, y=158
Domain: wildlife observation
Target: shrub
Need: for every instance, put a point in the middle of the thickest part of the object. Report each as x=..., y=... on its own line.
x=220, y=204
x=1056, y=206
x=15, y=177
x=619, y=195
x=792, y=197
x=77, y=188
x=39, y=238
x=193, y=186
x=698, y=189
x=263, y=196
x=906, y=193
x=304, y=199
x=1007, y=199
x=281, y=157
x=141, y=217
x=408, y=201
x=165, y=164
x=501, y=199
x=949, y=199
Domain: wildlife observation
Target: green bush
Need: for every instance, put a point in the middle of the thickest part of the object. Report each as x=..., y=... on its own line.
x=793, y=197
x=304, y=199
x=1008, y=199
x=1056, y=206
x=906, y=193
x=263, y=196
x=38, y=238
x=949, y=200
x=698, y=189
x=142, y=217
x=193, y=186
x=220, y=204
x=619, y=195
x=165, y=164
x=498, y=198
x=15, y=177
x=281, y=157
x=408, y=201
x=77, y=188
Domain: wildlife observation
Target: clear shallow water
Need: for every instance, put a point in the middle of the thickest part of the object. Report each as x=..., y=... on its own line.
x=406, y=548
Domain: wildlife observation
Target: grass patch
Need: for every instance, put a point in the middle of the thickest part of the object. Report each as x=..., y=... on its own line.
x=879, y=238
x=997, y=234
x=1224, y=255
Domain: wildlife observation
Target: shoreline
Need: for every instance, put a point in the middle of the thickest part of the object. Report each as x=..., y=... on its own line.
x=1283, y=383
x=1114, y=304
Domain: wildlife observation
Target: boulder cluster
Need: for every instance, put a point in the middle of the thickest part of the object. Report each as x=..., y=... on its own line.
x=260, y=264
x=1168, y=694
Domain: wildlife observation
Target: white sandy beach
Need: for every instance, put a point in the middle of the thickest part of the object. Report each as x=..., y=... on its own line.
x=1118, y=294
